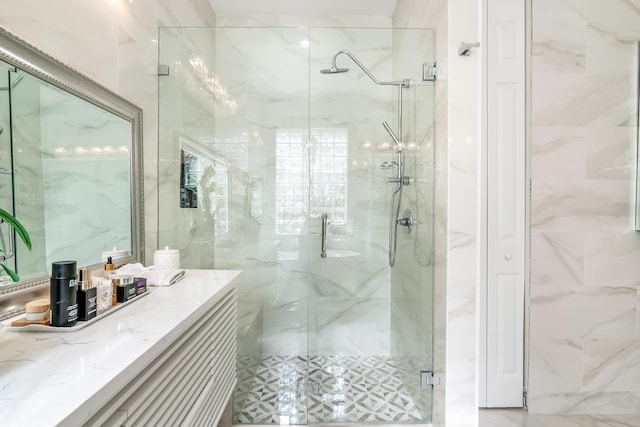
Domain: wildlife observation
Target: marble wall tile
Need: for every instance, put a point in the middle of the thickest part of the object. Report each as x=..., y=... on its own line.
x=611, y=365
x=461, y=319
x=596, y=206
x=610, y=153
x=584, y=402
x=113, y=43
x=520, y=418
x=550, y=146
x=619, y=18
x=638, y=316
x=283, y=21
x=559, y=45
x=460, y=412
x=355, y=327
x=580, y=99
x=557, y=259
x=603, y=312
x=582, y=245
x=553, y=362
x=610, y=51
x=610, y=260
x=462, y=160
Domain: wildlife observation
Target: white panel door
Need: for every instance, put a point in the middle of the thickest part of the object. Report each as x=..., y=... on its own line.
x=505, y=202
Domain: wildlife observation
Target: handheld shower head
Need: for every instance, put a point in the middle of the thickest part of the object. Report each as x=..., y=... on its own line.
x=393, y=136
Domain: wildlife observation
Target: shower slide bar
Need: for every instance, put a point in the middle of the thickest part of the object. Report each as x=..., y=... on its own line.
x=400, y=180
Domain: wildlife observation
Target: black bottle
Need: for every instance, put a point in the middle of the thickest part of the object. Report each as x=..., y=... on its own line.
x=63, y=292
x=87, y=297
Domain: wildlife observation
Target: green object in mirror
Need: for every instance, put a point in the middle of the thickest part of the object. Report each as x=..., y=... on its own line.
x=22, y=233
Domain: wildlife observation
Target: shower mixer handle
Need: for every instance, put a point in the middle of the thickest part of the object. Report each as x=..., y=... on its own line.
x=407, y=221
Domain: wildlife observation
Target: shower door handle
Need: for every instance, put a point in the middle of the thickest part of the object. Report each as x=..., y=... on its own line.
x=323, y=236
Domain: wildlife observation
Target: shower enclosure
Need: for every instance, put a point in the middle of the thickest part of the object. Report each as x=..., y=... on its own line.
x=259, y=153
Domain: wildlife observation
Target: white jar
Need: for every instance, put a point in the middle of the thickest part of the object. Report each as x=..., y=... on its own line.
x=166, y=258
x=36, y=310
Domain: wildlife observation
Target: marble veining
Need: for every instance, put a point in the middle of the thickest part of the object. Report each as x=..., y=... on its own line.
x=520, y=418
x=93, y=363
x=565, y=266
x=611, y=365
x=584, y=299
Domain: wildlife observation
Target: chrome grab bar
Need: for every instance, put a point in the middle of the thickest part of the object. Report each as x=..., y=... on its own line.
x=323, y=236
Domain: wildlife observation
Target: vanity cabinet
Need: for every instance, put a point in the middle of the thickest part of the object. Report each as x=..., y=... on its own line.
x=166, y=360
x=189, y=384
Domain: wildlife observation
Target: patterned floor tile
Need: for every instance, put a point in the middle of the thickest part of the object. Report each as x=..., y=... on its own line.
x=298, y=390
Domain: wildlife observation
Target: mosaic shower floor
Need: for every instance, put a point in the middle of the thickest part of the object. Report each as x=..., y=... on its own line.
x=337, y=388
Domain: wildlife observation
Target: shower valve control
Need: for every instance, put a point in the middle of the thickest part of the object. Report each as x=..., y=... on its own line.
x=407, y=221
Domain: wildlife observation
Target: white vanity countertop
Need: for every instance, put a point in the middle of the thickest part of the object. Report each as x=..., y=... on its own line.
x=63, y=378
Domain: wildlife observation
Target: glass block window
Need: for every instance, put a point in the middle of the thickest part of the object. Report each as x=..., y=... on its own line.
x=219, y=197
x=232, y=144
x=329, y=176
x=292, y=180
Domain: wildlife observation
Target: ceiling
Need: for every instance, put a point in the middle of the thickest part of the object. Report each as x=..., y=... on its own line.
x=304, y=7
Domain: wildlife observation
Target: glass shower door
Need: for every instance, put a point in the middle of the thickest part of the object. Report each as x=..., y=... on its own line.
x=264, y=144
x=234, y=120
x=370, y=324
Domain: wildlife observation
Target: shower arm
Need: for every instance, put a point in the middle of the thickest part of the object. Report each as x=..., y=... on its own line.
x=403, y=83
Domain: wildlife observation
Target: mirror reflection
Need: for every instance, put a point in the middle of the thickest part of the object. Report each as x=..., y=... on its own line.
x=70, y=165
x=71, y=176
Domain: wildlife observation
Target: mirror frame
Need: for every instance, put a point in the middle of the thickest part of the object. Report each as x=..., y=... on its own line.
x=23, y=55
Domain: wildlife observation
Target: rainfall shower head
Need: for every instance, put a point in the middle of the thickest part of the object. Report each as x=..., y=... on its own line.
x=334, y=70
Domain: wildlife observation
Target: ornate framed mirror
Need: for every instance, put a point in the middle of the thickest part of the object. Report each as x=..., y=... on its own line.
x=71, y=169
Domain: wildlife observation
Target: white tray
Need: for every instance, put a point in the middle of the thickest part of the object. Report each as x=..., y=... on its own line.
x=34, y=327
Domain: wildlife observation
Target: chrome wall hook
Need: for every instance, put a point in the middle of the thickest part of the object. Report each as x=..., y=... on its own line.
x=465, y=48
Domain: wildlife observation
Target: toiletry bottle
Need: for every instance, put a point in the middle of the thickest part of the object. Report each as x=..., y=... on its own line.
x=87, y=296
x=115, y=283
x=109, y=268
x=63, y=294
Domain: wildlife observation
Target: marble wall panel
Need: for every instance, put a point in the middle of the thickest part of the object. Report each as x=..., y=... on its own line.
x=553, y=362
x=610, y=153
x=353, y=327
x=584, y=277
x=584, y=402
x=565, y=206
x=557, y=259
x=611, y=365
x=114, y=43
x=551, y=145
x=318, y=21
x=611, y=259
x=603, y=312
x=580, y=99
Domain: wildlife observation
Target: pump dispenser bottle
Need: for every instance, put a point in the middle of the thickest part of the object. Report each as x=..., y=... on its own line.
x=63, y=293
